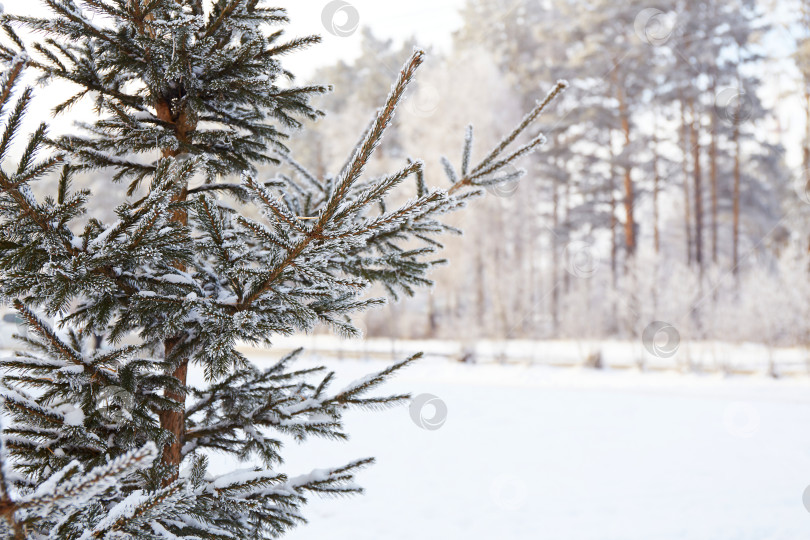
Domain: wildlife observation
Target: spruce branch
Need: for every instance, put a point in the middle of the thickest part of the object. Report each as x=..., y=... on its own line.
x=527, y=121
x=361, y=157
x=374, y=135
x=95, y=482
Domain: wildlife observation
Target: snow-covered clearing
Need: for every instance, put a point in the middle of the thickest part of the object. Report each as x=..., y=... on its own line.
x=695, y=356
x=567, y=453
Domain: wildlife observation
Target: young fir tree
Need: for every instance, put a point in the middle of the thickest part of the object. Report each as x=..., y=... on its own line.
x=108, y=439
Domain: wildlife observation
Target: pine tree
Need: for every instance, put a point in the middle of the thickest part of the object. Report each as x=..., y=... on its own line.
x=203, y=256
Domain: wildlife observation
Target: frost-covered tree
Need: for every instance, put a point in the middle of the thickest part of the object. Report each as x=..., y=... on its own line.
x=203, y=255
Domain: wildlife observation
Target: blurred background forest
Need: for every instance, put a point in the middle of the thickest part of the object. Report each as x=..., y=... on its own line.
x=673, y=187
x=666, y=191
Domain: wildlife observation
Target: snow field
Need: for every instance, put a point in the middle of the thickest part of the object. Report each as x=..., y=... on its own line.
x=538, y=452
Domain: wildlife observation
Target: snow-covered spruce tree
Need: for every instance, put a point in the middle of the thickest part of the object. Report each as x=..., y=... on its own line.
x=189, y=100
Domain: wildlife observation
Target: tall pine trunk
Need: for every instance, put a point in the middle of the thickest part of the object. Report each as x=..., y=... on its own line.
x=656, y=189
x=698, y=188
x=614, y=242
x=174, y=420
x=685, y=170
x=555, y=256
x=713, y=182
x=629, y=193
x=735, y=257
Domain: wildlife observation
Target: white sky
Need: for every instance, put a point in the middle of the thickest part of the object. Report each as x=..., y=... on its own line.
x=430, y=21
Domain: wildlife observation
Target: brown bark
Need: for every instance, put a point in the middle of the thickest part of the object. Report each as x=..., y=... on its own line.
x=555, y=257
x=656, y=189
x=174, y=421
x=803, y=63
x=183, y=126
x=565, y=214
x=685, y=169
x=713, y=182
x=737, y=180
x=806, y=148
x=7, y=510
x=804, y=66
x=500, y=299
x=698, y=188
x=433, y=317
x=629, y=193
x=532, y=270
x=614, y=247
x=736, y=202
x=480, y=291
x=806, y=142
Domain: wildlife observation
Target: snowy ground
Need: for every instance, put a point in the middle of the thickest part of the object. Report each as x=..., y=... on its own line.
x=694, y=356
x=563, y=453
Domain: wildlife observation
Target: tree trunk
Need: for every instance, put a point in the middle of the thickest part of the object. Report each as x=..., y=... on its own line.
x=184, y=125
x=629, y=194
x=614, y=244
x=500, y=299
x=8, y=510
x=532, y=276
x=735, y=258
x=555, y=256
x=698, y=188
x=806, y=145
x=174, y=421
x=713, y=181
x=685, y=169
x=433, y=317
x=656, y=188
x=803, y=63
x=737, y=180
x=564, y=214
x=480, y=291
